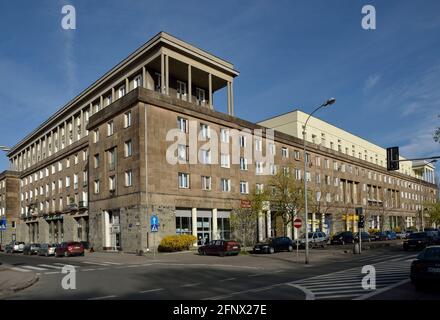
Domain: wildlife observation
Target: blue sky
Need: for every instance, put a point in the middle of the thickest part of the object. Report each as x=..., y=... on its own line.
x=291, y=54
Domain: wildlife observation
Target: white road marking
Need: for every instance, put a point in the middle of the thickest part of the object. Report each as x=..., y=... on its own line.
x=256, y=275
x=20, y=269
x=53, y=272
x=94, y=263
x=190, y=285
x=151, y=290
x=369, y=295
x=64, y=264
x=50, y=266
x=114, y=263
x=88, y=270
x=309, y=294
x=34, y=268
x=101, y=298
x=228, y=279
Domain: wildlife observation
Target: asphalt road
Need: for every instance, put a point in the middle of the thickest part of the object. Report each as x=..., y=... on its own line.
x=188, y=276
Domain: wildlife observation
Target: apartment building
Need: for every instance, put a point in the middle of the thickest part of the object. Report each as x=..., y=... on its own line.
x=100, y=167
x=9, y=205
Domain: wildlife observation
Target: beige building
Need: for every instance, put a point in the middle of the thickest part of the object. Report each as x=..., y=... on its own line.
x=97, y=170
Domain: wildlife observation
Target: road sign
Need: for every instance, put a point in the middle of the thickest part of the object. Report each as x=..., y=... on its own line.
x=3, y=224
x=297, y=223
x=245, y=204
x=154, y=223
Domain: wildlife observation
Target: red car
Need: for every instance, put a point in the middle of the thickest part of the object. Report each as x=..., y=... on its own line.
x=68, y=249
x=221, y=248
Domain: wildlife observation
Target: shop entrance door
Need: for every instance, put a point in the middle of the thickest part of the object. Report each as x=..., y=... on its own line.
x=203, y=230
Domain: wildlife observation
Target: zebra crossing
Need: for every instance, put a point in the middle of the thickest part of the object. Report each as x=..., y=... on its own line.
x=49, y=268
x=347, y=284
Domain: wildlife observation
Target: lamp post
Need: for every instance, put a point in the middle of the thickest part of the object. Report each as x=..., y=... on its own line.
x=420, y=198
x=329, y=102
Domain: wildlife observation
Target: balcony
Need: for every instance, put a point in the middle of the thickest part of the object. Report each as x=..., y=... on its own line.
x=82, y=205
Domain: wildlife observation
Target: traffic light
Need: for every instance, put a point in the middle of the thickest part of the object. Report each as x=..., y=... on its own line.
x=393, y=158
x=361, y=222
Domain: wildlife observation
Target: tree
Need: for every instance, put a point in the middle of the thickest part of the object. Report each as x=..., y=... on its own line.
x=244, y=220
x=437, y=134
x=286, y=196
x=319, y=203
x=432, y=210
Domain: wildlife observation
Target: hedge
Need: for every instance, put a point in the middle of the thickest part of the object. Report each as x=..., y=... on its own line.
x=176, y=243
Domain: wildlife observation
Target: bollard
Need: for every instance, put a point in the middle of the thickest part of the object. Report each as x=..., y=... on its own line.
x=356, y=248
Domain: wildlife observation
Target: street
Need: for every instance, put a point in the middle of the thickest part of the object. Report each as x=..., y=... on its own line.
x=334, y=273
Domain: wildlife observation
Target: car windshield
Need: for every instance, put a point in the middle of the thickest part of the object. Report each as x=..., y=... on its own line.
x=418, y=235
x=432, y=254
x=266, y=241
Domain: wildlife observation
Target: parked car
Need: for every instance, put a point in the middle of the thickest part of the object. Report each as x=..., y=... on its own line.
x=14, y=246
x=220, y=247
x=47, y=249
x=86, y=244
x=417, y=241
x=68, y=249
x=365, y=236
x=401, y=235
x=426, y=268
x=342, y=238
x=316, y=239
x=31, y=248
x=380, y=236
x=272, y=245
x=391, y=235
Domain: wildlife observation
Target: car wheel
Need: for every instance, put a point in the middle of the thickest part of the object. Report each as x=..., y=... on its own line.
x=290, y=249
x=66, y=254
x=82, y=254
x=323, y=245
x=46, y=254
x=343, y=242
x=271, y=250
x=222, y=254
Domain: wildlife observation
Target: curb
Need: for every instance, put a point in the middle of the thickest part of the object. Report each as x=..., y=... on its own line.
x=23, y=286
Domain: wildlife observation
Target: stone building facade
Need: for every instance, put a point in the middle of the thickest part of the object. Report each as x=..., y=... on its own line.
x=99, y=168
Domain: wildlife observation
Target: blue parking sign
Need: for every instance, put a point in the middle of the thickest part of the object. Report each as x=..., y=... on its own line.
x=3, y=224
x=154, y=223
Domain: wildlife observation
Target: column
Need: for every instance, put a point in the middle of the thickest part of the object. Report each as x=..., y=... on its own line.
x=144, y=77
x=113, y=94
x=313, y=222
x=167, y=75
x=210, y=90
x=232, y=98
x=229, y=97
x=260, y=226
x=194, y=223
x=215, y=233
x=106, y=227
x=189, y=84
x=268, y=224
x=127, y=85
x=162, y=73
x=81, y=121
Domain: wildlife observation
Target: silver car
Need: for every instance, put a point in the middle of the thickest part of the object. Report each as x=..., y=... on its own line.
x=47, y=249
x=316, y=239
x=14, y=246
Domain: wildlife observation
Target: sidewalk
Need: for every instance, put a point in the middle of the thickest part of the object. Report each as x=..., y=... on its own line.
x=12, y=281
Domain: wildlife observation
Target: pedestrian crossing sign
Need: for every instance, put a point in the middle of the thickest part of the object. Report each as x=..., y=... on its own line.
x=3, y=224
x=154, y=223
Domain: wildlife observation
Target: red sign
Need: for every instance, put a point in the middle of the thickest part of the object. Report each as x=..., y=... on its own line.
x=246, y=204
x=297, y=223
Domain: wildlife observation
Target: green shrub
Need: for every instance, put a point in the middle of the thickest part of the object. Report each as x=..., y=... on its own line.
x=176, y=243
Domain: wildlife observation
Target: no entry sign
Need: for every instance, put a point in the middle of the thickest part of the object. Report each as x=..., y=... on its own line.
x=297, y=223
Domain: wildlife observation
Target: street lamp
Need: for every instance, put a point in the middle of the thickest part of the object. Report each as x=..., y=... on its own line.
x=329, y=102
x=420, y=196
x=4, y=148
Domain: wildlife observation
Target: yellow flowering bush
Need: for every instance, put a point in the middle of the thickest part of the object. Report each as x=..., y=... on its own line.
x=176, y=243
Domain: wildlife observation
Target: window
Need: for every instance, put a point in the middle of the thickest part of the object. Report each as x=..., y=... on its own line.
x=158, y=83
x=112, y=183
x=258, y=144
x=137, y=81
x=127, y=149
x=60, y=184
x=206, y=156
x=206, y=183
x=258, y=167
x=75, y=181
x=242, y=141
x=110, y=128
x=225, y=184
x=308, y=176
x=272, y=148
x=182, y=124
x=96, y=161
x=67, y=163
x=128, y=178
x=205, y=131
x=127, y=119
x=259, y=187
x=200, y=97
x=318, y=178
x=224, y=160
x=60, y=167
x=183, y=180
x=75, y=159
x=181, y=90
x=111, y=159
x=67, y=182
x=297, y=174
x=121, y=91
x=224, y=135
x=96, y=135
x=296, y=154
x=284, y=152
x=96, y=186
x=244, y=187
x=182, y=152
x=272, y=169
x=243, y=164
x=318, y=161
x=108, y=99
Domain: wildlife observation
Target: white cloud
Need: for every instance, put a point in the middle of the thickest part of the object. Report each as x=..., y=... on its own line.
x=371, y=81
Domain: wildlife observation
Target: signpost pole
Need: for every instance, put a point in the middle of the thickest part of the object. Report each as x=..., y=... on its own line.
x=297, y=223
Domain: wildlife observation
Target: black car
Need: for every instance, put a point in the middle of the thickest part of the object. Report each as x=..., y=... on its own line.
x=365, y=236
x=418, y=241
x=272, y=245
x=31, y=248
x=426, y=268
x=342, y=238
